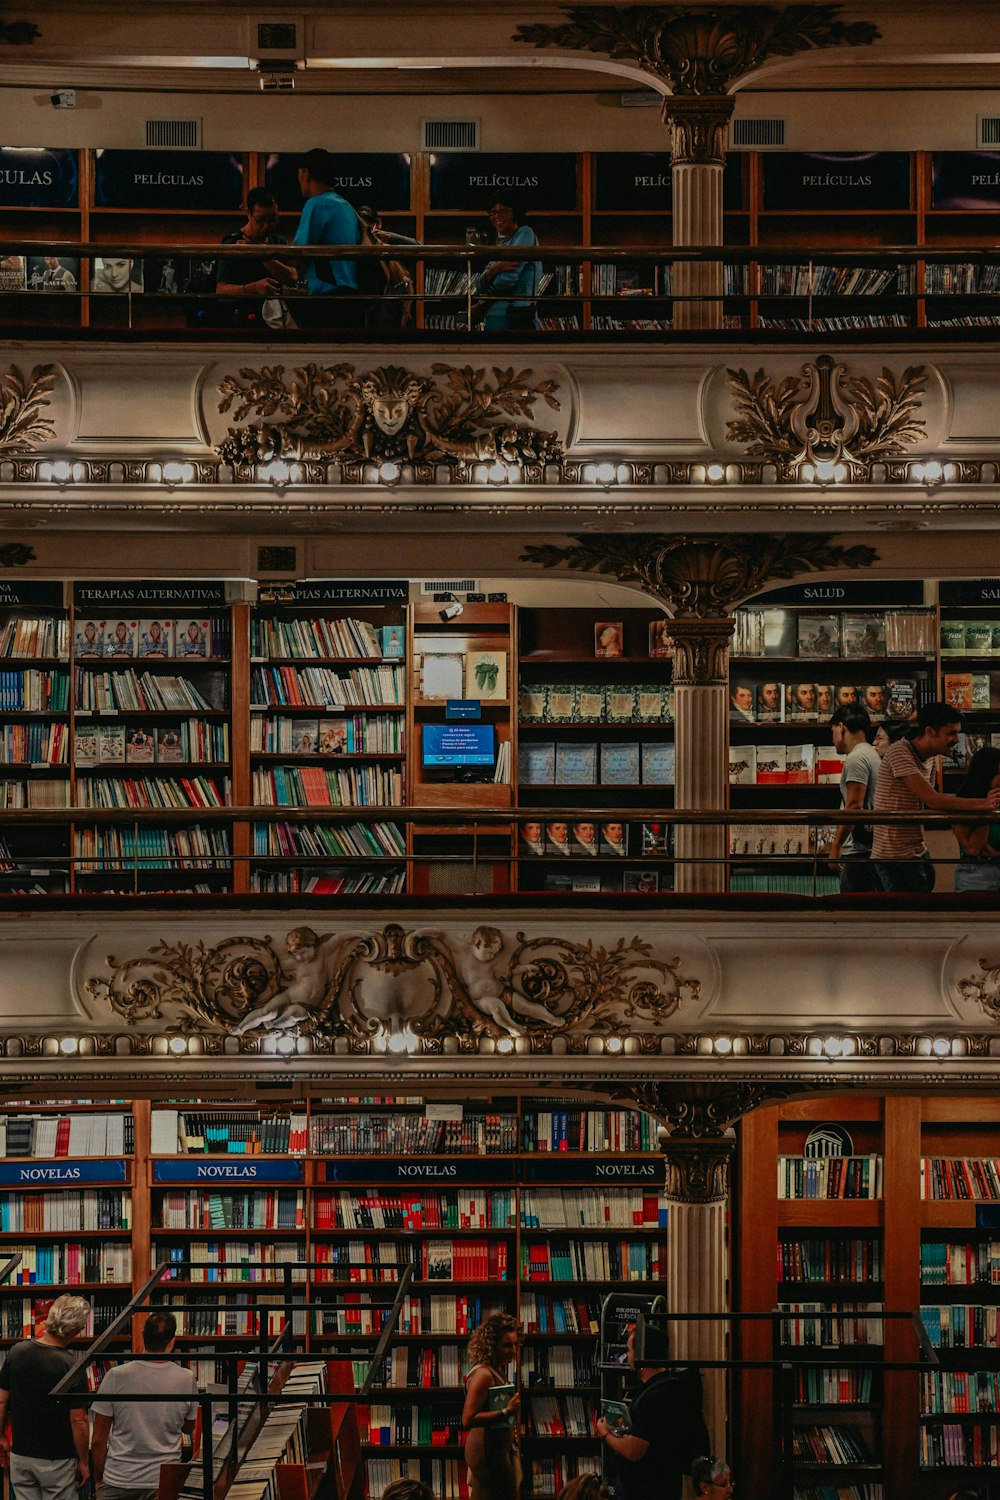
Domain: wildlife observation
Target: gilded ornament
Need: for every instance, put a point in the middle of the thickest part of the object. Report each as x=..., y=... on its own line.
x=701, y=651
x=704, y=50
x=704, y=577
x=697, y=1171
x=389, y=414
x=699, y=129
x=699, y=1111
x=22, y=400
x=983, y=988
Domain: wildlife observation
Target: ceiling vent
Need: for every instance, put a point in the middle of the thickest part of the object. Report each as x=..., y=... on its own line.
x=450, y=135
x=987, y=131
x=173, y=135
x=449, y=586
x=274, y=39
x=757, y=135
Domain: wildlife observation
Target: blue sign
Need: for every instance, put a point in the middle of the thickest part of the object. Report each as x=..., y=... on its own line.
x=970, y=591
x=14, y=593
x=338, y=591
x=416, y=1173
x=60, y=1173
x=380, y=179
x=32, y=177
x=647, y=1171
x=463, y=708
x=965, y=180
x=217, y=1171
x=840, y=593
x=169, y=179
x=642, y=181
x=826, y=182
x=471, y=181
x=184, y=594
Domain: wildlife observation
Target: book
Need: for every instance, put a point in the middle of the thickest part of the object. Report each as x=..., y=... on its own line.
x=617, y=1416
x=498, y=1396
x=824, y=700
x=193, y=639
x=576, y=764
x=649, y=704
x=829, y=766
x=871, y=697
x=657, y=763
x=88, y=638
x=901, y=698
x=953, y=638
x=609, y=638
x=641, y=882
x=111, y=744
x=862, y=635
x=585, y=840
x=557, y=838
x=559, y=703
x=536, y=762
x=531, y=706
x=742, y=700
x=139, y=744
x=119, y=638
x=614, y=839
x=800, y=764
x=305, y=736
x=770, y=764
x=655, y=838
x=155, y=639
x=531, y=839
x=800, y=703
x=819, y=635
x=621, y=704
x=620, y=763
x=660, y=645
x=486, y=674
x=115, y=275
x=13, y=273
x=52, y=273
x=332, y=737
x=742, y=765
x=978, y=638
x=168, y=745
x=770, y=703
x=589, y=703
x=392, y=639
x=86, y=749
x=958, y=689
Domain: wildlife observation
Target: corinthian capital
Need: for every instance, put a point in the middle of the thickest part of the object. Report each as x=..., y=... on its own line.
x=700, y=650
x=699, y=128
x=697, y=1171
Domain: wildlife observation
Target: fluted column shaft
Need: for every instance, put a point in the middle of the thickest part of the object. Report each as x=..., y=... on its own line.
x=701, y=737
x=699, y=127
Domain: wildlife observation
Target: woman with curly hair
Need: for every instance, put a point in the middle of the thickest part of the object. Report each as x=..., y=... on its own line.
x=489, y=1415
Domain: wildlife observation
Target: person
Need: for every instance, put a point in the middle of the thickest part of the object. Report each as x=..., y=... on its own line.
x=513, y=282
x=327, y=219
x=407, y=1489
x=741, y=701
x=666, y=1426
x=901, y=857
x=532, y=838
x=256, y=278
x=852, y=843
x=116, y=274
x=979, y=843
x=711, y=1476
x=491, y=1448
x=56, y=277
x=133, y=1438
x=49, y=1436
x=585, y=1487
x=387, y=283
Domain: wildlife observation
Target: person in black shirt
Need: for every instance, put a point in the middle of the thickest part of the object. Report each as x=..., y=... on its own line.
x=666, y=1428
x=254, y=279
x=50, y=1436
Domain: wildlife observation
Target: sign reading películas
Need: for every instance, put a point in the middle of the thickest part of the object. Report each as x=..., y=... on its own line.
x=470, y=181
x=38, y=177
x=169, y=179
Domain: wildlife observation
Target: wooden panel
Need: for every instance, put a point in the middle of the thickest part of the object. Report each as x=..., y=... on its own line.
x=981, y=1108
x=834, y=1107
x=832, y=1213
x=901, y=1259
x=951, y=1214
x=757, y=1233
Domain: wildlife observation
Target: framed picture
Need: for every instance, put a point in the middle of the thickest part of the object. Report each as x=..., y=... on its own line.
x=609, y=638
x=660, y=645
x=486, y=674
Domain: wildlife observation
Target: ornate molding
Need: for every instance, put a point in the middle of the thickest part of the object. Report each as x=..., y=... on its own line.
x=703, y=51
x=703, y=577
x=982, y=988
x=699, y=129
x=706, y=1111
x=701, y=651
x=16, y=555
x=417, y=984
x=22, y=401
x=825, y=415
x=697, y=1171
x=387, y=415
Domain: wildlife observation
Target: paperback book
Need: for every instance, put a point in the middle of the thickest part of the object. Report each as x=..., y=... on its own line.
x=862, y=635
x=620, y=763
x=819, y=635
x=576, y=764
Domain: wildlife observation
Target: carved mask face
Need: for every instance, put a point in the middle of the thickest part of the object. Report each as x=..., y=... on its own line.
x=390, y=413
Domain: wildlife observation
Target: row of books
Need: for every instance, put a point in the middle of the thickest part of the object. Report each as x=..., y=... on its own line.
x=961, y=278
x=784, y=765
x=945, y=1177
x=329, y=883
x=541, y=1313
x=946, y=1445
x=811, y=280
x=440, y=1208
x=70, y=1263
x=830, y=1177
x=829, y=1444
x=315, y=786
x=147, y=692
x=856, y=324
x=244, y=1132
x=53, y=1135
x=383, y=1426
x=826, y=1385
x=263, y=1208
x=951, y=1264
x=342, y=840
x=231, y=1319
x=830, y=1258
x=596, y=703
x=33, y=691
x=65, y=1211
x=831, y=1326
x=228, y=1261
x=549, y=1476
x=21, y=1318
x=591, y=1208
x=631, y=882
x=774, y=702
x=97, y=849
x=325, y=637
x=49, y=793
x=116, y=745
x=187, y=639
x=960, y=1391
x=432, y=1260
x=970, y=637
x=407, y=1365
x=456, y=674
x=557, y=1365
x=557, y=1417
x=962, y=1326
x=150, y=792
x=788, y=632
x=588, y=1130
x=459, y=1314
x=34, y=744
x=872, y=1491
x=591, y=1260
x=970, y=691
x=609, y=763
x=447, y=1477
x=34, y=636
x=359, y=734
x=411, y=1134
x=320, y=687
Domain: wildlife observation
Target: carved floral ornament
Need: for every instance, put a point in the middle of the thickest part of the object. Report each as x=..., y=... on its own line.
x=395, y=986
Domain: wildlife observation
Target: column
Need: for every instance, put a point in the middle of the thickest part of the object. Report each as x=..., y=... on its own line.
x=701, y=740
x=699, y=125
x=697, y=1188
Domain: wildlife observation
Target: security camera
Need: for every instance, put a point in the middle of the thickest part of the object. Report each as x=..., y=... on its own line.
x=452, y=611
x=63, y=99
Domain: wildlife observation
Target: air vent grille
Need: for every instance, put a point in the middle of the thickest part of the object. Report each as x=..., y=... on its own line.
x=757, y=134
x=450, y=586
x=277, y=36
x=451, y=135
x=988, y=131
x=174, y=135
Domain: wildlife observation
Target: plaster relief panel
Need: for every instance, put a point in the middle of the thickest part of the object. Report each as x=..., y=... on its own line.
x=160, y=412
x=637, y=408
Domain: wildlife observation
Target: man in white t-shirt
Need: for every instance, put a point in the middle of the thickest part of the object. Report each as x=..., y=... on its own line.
x=852, y=844
x=133, y=1438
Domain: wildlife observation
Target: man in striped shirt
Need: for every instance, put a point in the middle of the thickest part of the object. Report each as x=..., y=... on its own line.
x=899, y=853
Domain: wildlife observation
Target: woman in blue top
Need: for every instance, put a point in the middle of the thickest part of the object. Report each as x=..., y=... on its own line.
x=514, y=282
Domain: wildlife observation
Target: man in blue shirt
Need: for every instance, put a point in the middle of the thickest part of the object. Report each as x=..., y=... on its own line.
x=516, y=280
x=327, y=219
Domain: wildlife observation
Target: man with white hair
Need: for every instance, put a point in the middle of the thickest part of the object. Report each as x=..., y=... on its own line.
x=49, y=1435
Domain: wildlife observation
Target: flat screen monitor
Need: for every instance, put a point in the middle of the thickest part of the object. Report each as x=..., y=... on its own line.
x=458, y=745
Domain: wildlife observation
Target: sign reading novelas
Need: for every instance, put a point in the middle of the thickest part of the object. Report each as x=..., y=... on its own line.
x=236, y=1172
x=380, y=179
x=61, y=1173
x=37, y=177
x=558, y=1168
x=169, y=179
x=415, y=1172
x=825, y=182
x=470, y=181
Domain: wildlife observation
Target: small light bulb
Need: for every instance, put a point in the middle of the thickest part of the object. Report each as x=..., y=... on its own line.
x=723, y=1045
x=716, y=472
x=942, y=1046
x=613, y=1044
x=505, y=1044
x=286, y=1044
x=69, y=1045
x=497, y=473
x=389, y=471
x=833, y=1046
x=397, y=1042
x=62, y=471
x=178, y=1044
x=606, y=473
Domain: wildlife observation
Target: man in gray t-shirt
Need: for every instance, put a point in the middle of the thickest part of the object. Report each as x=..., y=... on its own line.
x=133, y=1438
x=852, y=845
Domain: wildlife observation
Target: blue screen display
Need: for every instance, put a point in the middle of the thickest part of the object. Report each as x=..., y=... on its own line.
x=458, y=745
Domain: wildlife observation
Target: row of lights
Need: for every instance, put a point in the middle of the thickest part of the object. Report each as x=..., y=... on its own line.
x=843, y=1046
